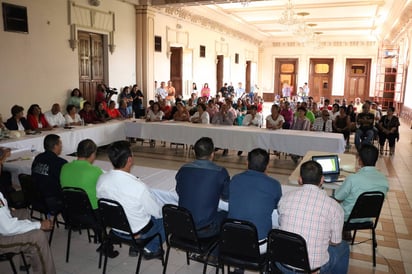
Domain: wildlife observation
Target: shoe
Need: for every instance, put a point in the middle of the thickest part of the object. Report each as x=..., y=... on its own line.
x=239, y=153
x=225, y=152
x=111, y=253
x=153, y=255
x=133, y=252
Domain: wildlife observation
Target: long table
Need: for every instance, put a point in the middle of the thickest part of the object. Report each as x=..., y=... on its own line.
x=101, y=134
x=237, y=137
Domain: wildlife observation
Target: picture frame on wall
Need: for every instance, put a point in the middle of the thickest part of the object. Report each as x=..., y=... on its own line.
x=15, y=18
x=158, y=43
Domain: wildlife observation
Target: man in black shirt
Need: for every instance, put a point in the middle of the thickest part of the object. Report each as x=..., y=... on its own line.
x=45, y=172
x=364, y=133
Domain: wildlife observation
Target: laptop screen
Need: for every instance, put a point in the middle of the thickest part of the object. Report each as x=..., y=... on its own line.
x=329, y=163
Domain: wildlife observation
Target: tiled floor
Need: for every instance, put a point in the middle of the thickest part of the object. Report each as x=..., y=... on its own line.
x=394, y=228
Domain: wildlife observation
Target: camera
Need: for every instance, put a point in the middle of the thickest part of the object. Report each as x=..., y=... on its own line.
x=111, y=91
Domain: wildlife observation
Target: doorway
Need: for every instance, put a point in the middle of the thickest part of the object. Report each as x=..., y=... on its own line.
x=320, y=78
x=357, y=78
x=92, y=62
x=286, y=70
x=176, y=60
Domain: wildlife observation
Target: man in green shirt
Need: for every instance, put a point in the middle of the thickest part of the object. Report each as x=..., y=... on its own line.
x=83, y=174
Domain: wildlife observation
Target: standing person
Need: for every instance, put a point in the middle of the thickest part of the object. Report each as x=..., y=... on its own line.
x=286, y=91
x=161, y=91
x=140, y=206
x=194, y=88
x=239, y=91
x=306, y=90
x=311, y=213
x=388, y=127
x=76, y=99
x=126, y=96
x=138, y=106
x=45, y=172
x=224, y=91
x=171, y=92
x=253, y=195
x=205, y=92
x=368, y=178
x=199, y=185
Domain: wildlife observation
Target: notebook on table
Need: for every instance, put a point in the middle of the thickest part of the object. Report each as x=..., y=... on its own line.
x=330, y=167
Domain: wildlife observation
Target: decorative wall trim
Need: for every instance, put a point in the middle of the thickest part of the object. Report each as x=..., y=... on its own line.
x=327, y=44
x=176, y=36
x=404, y=20
x=222, y=48
x=83, y=17
x=204, y=22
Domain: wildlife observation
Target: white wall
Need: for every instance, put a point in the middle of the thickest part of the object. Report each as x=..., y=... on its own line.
x=40, y=67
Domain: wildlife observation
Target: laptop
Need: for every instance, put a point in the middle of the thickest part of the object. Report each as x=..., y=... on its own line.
x=330, y=167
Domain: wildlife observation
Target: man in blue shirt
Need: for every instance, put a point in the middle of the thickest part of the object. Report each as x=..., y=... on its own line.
x=253, y=195
x=200, y=185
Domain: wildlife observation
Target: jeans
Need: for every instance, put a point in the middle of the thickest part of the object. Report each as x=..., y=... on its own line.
x=360, y=134
x=338, y=261
x=154, y=244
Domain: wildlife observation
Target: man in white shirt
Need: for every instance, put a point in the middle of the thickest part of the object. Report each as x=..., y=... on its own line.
x=239, y=91
x=323, y=123
x=54, y=116
x=23, y=235
x=135, y=197
x=161, y=92
x=252, y=119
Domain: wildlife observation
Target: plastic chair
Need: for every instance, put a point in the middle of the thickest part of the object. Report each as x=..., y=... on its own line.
x=239, y=246
x=181, y=233
x=368, y=205
x=288, y=249
x=8, y=256
x=113, y=216
x=78, y=214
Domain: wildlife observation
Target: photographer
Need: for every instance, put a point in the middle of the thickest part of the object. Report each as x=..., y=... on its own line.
x=104, y=94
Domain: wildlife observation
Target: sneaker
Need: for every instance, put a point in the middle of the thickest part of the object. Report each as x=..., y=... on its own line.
x=152, y=255
x=133, y=252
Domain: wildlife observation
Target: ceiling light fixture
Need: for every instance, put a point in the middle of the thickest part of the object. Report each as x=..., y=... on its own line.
x=289, y=17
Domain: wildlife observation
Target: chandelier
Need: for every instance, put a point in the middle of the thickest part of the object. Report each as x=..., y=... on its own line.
x=288, y=17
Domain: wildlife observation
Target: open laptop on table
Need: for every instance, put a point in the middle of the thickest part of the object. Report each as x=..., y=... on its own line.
x=330, y=167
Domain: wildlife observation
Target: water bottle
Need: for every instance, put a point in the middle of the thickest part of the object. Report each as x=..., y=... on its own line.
x=82, y=122
x=33, y=151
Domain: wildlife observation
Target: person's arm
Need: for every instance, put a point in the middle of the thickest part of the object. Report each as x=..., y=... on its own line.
x=150, y=204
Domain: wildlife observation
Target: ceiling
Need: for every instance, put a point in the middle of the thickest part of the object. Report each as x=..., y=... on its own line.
x=332, y=19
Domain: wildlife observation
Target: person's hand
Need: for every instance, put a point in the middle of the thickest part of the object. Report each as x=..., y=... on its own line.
x=46, y=225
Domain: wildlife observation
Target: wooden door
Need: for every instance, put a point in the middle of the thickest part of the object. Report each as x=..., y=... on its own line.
x=320, y=78
x=176, y=60
x=286, y=70
x=91, y=64
x=219, y=72
x=357, y=78
x=247, y=76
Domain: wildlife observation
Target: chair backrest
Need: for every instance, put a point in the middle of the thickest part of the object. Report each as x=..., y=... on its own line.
x=239, y=240
x=112, y=215
x=289, y=249
x=77, y=207
x=30, y=191
x=368, y=205
x=178, y=221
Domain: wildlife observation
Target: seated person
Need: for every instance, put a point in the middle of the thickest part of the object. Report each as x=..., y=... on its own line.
x=212, y=108
x=368, y=178
x=301, y=122
x=166, y=108
x=22, y=235
x=36, y=119
x=17, y=120
x=6, y=186
x=342, y=124
x=365, y=120
x=253, y=195
x=112, y=111
x=287, y=114
x=323, y=123
x=72, y=117
x=87, y=114
x=201, y=116
x=101, y=113
x=135, y=197
x=45, y=172
x=253, y=118
x=154, y=114
x=54, y=116
x=181, y=114
x=200, y=185
x=83, y=174
x=311, y=213
x=123, y=109
x=275, y=120
x=388, y=127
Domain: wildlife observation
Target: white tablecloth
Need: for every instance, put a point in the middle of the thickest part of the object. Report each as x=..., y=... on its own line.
x=101, y=134
x=237, y=137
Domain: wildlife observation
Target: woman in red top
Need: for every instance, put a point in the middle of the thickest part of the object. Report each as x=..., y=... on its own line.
x=113, y=112
x=36, y=119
